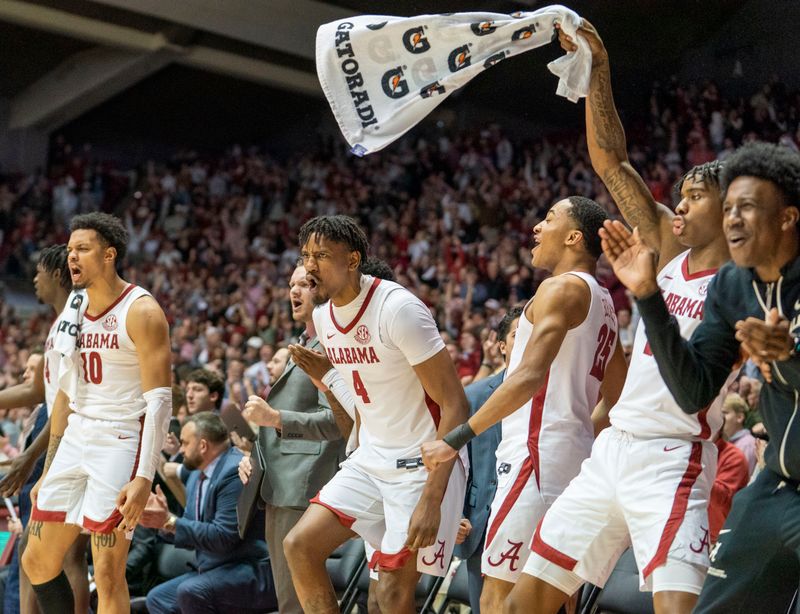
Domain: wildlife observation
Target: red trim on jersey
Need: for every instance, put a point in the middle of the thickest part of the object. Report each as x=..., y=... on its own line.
x=345, y=520
x=125, y=292
x=389, y=562
x=546, y=551
x=535, y=426
x=690, y=276
x=705, y=429
x=508, y=503
x=360, y=313
x=679, y=504
x=111, y=523
x=433, y=407
x=45, y=516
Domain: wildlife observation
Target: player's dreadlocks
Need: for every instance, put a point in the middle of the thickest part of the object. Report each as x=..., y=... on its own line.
x=53, y=259
x=709, y=173
x=338, y=228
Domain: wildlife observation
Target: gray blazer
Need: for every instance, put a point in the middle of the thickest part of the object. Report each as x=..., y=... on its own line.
x=306, y=453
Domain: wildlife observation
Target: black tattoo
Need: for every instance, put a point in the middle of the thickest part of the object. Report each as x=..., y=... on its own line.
x=607, y=127
x=104, y=540
x=35, y=528
x=55, y=440
x=633, y=203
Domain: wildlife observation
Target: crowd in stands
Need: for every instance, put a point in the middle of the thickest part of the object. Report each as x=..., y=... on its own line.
x=213, y=238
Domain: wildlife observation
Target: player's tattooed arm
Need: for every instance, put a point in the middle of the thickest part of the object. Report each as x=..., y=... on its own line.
x=52, y=448
x=343, y=421
x=605, y=139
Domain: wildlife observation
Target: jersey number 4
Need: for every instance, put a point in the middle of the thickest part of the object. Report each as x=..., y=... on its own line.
x=605, y=341
x=92, y=367
x=358, y=386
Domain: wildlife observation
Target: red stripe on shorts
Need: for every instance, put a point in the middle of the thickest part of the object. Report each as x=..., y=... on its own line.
x=345, y=520
x=546, y=551
x=508, y=503
x=679, y=505
x=389, y=562
x=45, y=516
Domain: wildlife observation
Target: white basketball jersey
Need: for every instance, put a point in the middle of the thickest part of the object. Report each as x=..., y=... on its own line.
x=555, y=428
x=110, y=381
x=51, y=362
x=646, y=407
x=362, y=341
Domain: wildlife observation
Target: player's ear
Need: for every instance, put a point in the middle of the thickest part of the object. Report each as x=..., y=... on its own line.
x=574, y=237
x=354, y=262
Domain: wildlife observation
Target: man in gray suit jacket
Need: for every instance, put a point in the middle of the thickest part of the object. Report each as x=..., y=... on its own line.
x=483, y=479
x=301, y=443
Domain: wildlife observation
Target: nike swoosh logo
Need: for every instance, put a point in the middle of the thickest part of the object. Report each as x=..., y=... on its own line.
x=124, y=436
x=330, y=335
x=723, y=531
x=666, y=449
x=797, y=305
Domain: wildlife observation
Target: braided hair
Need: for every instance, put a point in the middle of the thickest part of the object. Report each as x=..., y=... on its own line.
x=337, y=228
x=53, y=259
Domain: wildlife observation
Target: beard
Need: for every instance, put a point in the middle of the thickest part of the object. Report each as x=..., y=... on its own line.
x=191, y=463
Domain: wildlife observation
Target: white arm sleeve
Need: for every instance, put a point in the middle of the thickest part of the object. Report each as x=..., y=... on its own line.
x=154, y=430
x=336, y=384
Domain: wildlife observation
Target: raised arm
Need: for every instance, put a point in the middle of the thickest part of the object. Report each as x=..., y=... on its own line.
x=605, y=139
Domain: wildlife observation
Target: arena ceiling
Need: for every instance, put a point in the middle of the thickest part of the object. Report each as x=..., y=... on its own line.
x=62, y=58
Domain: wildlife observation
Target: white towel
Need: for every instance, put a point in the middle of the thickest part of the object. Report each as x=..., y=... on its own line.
x=65, y=343
x=382, y=75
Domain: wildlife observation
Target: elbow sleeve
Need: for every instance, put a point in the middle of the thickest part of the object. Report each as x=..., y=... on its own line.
x=156, y=422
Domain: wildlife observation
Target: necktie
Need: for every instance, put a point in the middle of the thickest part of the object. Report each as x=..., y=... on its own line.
x=201, y=479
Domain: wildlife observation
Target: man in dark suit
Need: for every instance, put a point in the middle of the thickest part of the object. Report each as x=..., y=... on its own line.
x=233, y=574
x=483, y=480
x=300, y=441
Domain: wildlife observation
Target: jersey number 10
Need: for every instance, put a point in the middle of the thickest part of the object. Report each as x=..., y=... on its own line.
x=92, y=367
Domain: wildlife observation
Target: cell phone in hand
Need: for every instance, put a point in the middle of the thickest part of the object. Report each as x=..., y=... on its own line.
x=234, y=421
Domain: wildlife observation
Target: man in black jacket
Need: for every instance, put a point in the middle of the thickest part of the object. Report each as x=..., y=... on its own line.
x=754, y=300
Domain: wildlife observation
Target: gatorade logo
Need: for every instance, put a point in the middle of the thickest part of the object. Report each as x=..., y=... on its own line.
x=393, y=84
x=494, y=59
x=414, y=40
x=459, y=58
x=524, y=33
x=482, y=28
x=432, y=89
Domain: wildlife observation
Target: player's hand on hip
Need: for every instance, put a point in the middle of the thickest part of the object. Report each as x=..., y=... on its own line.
x=245, y=469
x=634, y=263
x=434, y=453
x=131, y=502
x=18, y=473
x=424, y=524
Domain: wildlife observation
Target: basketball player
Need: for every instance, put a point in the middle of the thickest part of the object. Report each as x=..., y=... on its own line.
x=385, y=344
x=649, y=477
x=106, y=442
x=565, y=357
x=52, y=284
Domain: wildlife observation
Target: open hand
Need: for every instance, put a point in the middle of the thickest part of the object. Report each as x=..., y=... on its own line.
x=131, y=501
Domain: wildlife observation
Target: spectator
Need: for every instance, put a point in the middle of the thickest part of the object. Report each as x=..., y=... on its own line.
x=300, y=440
x=483, y=479
x=733, y=474
x=233, y=574
x=204, y=390
x=734, y=411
